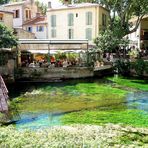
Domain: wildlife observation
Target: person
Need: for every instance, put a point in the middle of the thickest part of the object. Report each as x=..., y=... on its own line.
x=65, y=63
x=52, y=60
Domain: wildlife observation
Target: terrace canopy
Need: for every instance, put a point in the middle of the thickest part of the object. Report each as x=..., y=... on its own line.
x=45, y=45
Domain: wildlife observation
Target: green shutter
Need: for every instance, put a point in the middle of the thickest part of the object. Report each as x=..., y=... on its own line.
x=89, y=34
x=88, y=18
x=70, y=33
x=70, y=19
x=53, y=20
x=53, y=33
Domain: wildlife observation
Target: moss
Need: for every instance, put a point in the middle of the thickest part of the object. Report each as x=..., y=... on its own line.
x=126, y=117
x=133, y=83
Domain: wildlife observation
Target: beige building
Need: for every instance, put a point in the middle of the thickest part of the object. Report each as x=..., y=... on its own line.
x=6, y=17
x=38, y=26
x=77, y=21
x=23, y=11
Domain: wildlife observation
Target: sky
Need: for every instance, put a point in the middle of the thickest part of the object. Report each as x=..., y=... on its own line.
x=54, y=3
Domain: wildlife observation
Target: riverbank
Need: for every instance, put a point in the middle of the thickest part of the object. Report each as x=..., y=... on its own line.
x=76, y=136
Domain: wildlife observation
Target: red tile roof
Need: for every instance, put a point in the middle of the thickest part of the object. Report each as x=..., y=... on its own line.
x=36, y=20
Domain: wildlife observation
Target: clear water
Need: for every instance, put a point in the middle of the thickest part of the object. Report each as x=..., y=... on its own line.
x=46, y=109
x=137, y=100
x=37, y=120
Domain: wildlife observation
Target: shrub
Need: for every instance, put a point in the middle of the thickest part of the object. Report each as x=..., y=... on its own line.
x=139, y=67
x=123, y=67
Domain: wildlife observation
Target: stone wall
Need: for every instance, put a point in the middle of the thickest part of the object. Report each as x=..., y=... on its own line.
x=56, y=73
x=7, y=71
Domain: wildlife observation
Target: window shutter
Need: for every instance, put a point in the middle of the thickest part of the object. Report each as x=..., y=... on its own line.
x=89, y=34
x=70, y=19
x=53, y=20
x=88, y=18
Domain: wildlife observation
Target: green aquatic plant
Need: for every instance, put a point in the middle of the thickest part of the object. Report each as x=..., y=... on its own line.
x=131, y=83
x=70, y=98
x=126, y=117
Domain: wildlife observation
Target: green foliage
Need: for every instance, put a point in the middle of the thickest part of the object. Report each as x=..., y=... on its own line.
x=108, y=40
x=123, y=67
x=42, y=7
x=140, y=66
x=7, y=39
x=3, y=58
x=127, y=117
x=4, y=1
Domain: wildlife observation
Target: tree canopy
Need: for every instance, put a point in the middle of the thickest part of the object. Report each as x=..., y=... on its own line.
x=7, y=39
x=3, y=1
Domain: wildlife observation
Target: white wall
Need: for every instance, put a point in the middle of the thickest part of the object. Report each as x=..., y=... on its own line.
x=38, y=35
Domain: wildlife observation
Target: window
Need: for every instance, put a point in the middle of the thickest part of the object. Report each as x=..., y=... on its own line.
x=89, y=34
x=53, y=20
x=70, y=19
x=88, y=18
x=53, y=33
x=29, y=29
x=16, y=13
x=104, y=19
x=1, y=17
x=28, y=14
x=70, y=34
x=40, y=28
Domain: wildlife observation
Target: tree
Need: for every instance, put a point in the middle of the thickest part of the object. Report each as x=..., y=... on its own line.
x=7, y=39
x=42, y=7
x=3, y=1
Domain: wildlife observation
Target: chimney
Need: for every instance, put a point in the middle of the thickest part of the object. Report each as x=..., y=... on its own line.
x=49, y=4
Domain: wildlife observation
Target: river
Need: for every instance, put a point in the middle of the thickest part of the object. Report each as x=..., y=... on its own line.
x=42, y=105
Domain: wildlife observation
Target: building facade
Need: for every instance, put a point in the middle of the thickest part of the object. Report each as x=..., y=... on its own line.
x=23, y=11
x=38, y=26
x=78, y=21
x=140, y=36
x=6, y=17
